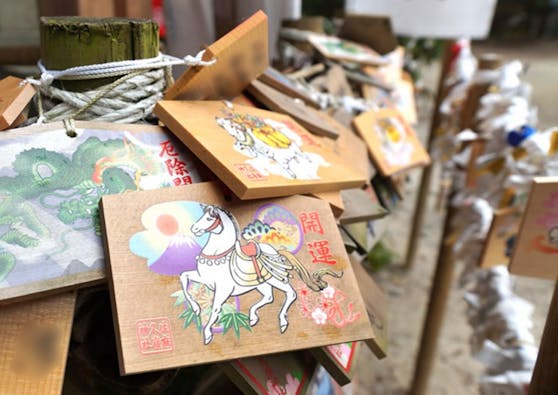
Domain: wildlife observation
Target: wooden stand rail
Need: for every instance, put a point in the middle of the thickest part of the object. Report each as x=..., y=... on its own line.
x=545, y=379
x=424, y=185
x=439, y=293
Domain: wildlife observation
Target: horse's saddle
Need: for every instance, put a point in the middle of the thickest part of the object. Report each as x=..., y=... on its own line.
x=251, y=266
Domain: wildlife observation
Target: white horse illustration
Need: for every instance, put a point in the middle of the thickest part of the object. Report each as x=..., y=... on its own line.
x=229, y=269
x=287, y=161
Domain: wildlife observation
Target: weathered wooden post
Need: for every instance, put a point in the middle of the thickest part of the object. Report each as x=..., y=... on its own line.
x=75, y=41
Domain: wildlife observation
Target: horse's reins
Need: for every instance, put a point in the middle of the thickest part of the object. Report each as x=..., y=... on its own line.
x=214, y=226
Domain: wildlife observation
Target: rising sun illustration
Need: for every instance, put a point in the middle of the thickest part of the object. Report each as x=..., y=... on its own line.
x=167, y=224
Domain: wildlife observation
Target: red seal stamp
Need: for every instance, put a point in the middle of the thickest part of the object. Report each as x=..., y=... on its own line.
x=154, y=335
x=249, y=171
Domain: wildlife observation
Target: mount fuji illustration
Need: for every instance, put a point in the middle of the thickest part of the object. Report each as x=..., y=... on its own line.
x=179, y=256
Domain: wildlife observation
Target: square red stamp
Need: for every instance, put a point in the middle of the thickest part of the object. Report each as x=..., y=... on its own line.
x=249, y=171
x=154, y=335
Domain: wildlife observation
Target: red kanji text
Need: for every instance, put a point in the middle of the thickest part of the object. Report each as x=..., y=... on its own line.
x=320, y=252
x=311, y=222
x=167, y=149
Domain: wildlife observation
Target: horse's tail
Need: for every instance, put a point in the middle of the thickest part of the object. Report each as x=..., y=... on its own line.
x=314, y=281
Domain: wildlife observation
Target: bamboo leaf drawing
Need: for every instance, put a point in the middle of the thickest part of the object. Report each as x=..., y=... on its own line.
x=180, y=298
x=226, y=321
x=228, y=309
x=198, y=322
x=235, y=320
x=189, y=316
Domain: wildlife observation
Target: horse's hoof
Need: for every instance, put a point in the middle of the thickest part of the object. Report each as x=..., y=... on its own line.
x=207, y=340
x=283, y=328
x=254, y=321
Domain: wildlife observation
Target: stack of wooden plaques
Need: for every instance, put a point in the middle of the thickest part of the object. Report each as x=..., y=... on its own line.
x=222, y=233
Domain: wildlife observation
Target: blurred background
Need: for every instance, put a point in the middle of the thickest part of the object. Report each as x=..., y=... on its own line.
x=516, y=29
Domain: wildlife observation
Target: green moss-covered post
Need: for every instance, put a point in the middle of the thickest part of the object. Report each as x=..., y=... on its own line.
x=76, y=41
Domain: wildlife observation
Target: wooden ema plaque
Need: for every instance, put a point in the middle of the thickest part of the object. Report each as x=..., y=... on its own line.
x=285, y=373
x=402, y=97
x=500, y=240
x=308, y=117
x=51, y=184
x=334, y=82
x=390, y=73
x=405, y=98
x=14, y=96
x=243, y=100
x=536, y=248
x=241, y=56
x=372, y=30
x=358, y=234
x=338, y=49
x=361, y=205
x=338, y=360
x=380, y=97
x=184, y=262
x=376, y=306
x=350, y=245
x=350, y=148
x=34, y=343
x=393, y=144
x=385, y=191
x=334, y=199
x=284, y=84
x=256, y=153
x=315, y=122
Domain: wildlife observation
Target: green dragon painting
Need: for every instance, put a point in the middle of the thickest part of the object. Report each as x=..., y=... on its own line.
x=66, y=187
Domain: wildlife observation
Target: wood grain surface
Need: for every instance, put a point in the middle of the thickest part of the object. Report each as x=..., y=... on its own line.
x=257, y=153
x=282, y=83
x=498, y=244
x=338, y=360
x=393, y=144
x=149, y=307
x=241, y=56
x=34, y=343
x=376, y=305
x=308, y=117
x=360, y=206
x=52, y=183
x=338, y=49
x=14, y=96
x=536, y=247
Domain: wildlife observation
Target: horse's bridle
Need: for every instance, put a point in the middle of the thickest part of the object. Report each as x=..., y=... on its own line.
x=215, y=224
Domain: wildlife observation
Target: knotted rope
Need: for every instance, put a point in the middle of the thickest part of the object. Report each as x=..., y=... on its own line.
x=128, y=99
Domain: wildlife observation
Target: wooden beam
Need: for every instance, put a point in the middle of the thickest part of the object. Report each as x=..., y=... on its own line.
x=545, y=379
x=439, y=293
x=424, y=185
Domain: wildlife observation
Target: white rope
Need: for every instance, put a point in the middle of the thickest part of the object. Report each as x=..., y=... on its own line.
x=113, y=69
x=128, y=99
